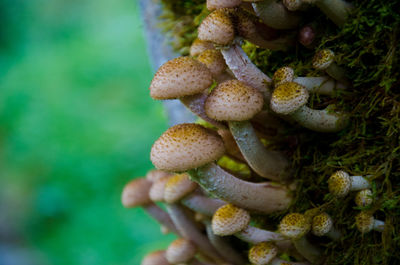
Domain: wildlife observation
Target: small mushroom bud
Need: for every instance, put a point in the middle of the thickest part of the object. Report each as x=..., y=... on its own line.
x=364, y=198
x=274, y=14
x=155, y=258
x=365, y=223
x=322, y=224
x=324, y=60
x=198, y=46
x=341, y=183
x=180, y=251
x=265, y=253
x=290, y=99
x=307, y=36
x=283, y=75
x=217, y=27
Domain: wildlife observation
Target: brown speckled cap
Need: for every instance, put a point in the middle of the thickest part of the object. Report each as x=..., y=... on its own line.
x=288, y=97
x=217, y=27
x=323, y=59
x=364, y=198
x=339, y=184
x=321, y=224
x=229, y=219
x=180, y=251
x=364, y=222
x=294, y=225
x=177, y=187
x=136, y=193
x=232, y=100
x=186, y=146
x=179, y=77
x=283, y=75
x=198, y=46
x=155, y=258
x=214, y=61
x=216, y=4
x=157, y=189
x=262, y=253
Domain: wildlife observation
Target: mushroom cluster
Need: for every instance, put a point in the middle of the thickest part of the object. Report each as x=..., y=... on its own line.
x=256, y=119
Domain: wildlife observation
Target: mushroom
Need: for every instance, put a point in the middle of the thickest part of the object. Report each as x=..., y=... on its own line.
x=324, y=60
x=156, y=192
x=217, y=28
x=155, y=174
x=155, y=258
x=295, y=226
x=215, y=62
x=341, y=183
x=236, y=103
x=136, y=193
x=198, y=46
x=364, y=198
x=322, y=225
x=216, y=4
x=365, y=223
x=194, y=148
x=274, y=14
x=265, y=253
x=186, y=79
x=290, y=98
x=180, y=251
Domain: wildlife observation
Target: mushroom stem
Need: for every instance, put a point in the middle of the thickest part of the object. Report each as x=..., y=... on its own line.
x=275, y=14
x=264, y=197
x=320, y=84
x=359, y=183
x=162, y=217
x=269, y=164
x=202, y=204
x=188, y=229
x=309, y=251
x=336, y=10
x=256, y=235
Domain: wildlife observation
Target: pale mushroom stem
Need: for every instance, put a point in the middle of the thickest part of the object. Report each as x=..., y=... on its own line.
x=161, y=216
x=337, y=73
x=307, y=250
x=256, y=235
x=378, y=225
x=336, y=10
x=269, y=164
x=359, y=183
x=322, y=85
x=274, y=14
x=258, y=197
x=223, y=247
x=195, y=104
x=334, y=234
x=202, y=204
x=188, y=229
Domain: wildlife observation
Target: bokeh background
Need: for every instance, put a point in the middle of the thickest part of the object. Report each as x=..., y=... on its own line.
x=76, y=124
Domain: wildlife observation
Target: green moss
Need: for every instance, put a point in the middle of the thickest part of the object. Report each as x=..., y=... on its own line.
x=368, y=48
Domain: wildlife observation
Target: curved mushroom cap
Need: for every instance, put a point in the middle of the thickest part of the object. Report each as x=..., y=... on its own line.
x=217, y=27
x=155, y=258
x=157, y=189
x=288, y=97
x=180, y=251
x=323, y=59
x=293, y=5
x=198, y=46
x=229, y=219
x=216, y=4
x=339, y=184
x=214, y=61
x=177, y=187
x=180, y=77
x=364, y=222
x=232, y=100
x=364, y=198
x=136, y=193
x=155, y=174
x=294, y=226
x=283, y=75
x=321, y=224
x=263, y=253
x=186, y=146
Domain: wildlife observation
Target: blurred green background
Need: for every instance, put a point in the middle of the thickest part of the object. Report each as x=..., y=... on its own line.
x=76, y=124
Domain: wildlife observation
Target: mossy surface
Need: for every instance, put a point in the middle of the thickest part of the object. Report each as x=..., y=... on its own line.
x=368, y=48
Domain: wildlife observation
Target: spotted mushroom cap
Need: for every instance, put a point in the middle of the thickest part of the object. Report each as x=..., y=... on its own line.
x=155, y=258
x=214, y=61
x=293, y=5
x=288, y=97
x=217, y=28
x=364, y=222
x=232, y=100
x=229, y=219
x=179, y=77
x=294, y=225
x=262, y=253
x=283, y=75
x=177, y=187
x=216, y=4
x=323, y=59
x=186, y=146
x=321, y=224
x=364, y=198
x=157, y=189
x=136, y=193
x=155, y=174
x=198, y=46
x=339, y=184
x=180, y=251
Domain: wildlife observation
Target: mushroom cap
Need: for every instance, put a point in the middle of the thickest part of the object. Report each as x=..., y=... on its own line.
x=180, y=77
x=217, y=27
x=155, y=258
x=216, y=4
x=363, y=198
x=364, y=222
x=293, y=5
x=263, y=253
x=177, y=187
x=232, y=100
x=186, y=146
x=283, y=75
x=180, y=251
x=198, y=46
x=288, y=97
x=323, y=59
x=157, y=189
x=214, y=61
x=321, y=224
x=136, y=193
x=229, y=219
x=155, y=174
x=294, y=225
x=339, y=183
